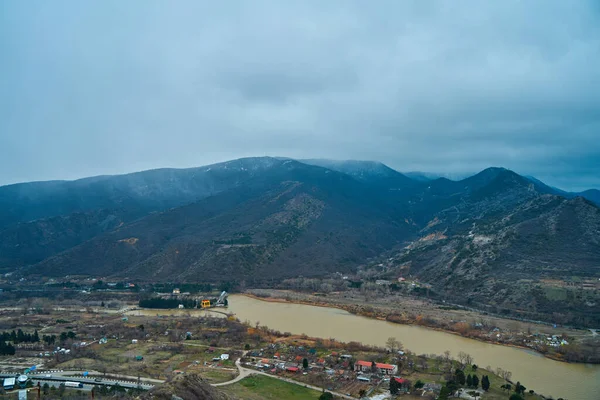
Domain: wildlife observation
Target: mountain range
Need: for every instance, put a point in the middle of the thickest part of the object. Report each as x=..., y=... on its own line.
x=492, y=240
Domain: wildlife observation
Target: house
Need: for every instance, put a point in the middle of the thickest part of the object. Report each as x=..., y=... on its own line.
x=224, y=357
x=176, y=291
x=434, y=388
x=134, y=341
x=364, y=378
x=292, y=369
x=181, y=307
x=386, y=369
x=9, y=384
x=400, y=380
x=365, y=366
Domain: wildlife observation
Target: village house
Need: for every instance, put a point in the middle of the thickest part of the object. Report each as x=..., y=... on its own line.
x=366, y=366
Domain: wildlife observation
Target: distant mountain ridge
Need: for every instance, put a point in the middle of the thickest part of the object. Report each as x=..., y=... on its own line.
x=261, y=220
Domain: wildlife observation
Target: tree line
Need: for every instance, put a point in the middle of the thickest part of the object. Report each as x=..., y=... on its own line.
x=20, y=337
x=157, y=302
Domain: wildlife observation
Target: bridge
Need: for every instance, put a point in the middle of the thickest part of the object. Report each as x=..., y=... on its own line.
x=58, y=377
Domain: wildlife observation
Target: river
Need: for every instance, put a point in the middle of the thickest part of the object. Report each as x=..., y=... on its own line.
x=549, y=377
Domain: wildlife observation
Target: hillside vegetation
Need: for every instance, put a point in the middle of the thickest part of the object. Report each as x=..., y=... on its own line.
x=494, y=240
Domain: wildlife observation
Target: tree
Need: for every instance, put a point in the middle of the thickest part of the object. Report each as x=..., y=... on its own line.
x=305, y=363
x=474, y=367
x=393, y=386
x=46, y=388
x=392, y=343
x=469, y=380
x=102, y=304
x=475, y=381
x=520, y=389
x=460, y=377
x=464, y=359
x=485, y=383
x=515, y=396
x=326, y=396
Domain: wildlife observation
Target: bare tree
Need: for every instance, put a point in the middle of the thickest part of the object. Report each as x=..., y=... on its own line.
x=392, y=343
x=464, y=359
x=469, y=359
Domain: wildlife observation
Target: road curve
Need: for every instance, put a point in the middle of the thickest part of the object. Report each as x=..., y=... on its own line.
x=246, y=372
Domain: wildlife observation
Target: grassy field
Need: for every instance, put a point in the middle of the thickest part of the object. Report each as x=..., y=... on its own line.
x=262, y=387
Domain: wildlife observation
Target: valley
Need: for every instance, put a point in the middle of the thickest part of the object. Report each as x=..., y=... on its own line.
x=496, y=265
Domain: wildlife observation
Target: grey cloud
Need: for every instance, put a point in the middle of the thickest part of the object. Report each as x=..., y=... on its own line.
x=440, y=86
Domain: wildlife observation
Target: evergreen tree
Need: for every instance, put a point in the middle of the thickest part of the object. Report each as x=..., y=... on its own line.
x=520, y=389
x=305, y=363
x=469, y=380
x=485, y=383
x=475, y=381
x=20, y=336
x=36, y=336
x=393, y=386
x=460, y=376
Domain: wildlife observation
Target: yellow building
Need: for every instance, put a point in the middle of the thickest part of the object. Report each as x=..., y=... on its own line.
x=205, y=304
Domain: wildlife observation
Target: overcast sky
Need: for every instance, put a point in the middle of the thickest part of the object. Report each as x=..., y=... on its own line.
x=107, y=87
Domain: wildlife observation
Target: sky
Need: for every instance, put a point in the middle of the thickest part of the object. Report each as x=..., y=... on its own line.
x=451, y=87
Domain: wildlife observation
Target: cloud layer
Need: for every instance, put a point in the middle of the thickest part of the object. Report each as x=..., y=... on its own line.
x=440, y=86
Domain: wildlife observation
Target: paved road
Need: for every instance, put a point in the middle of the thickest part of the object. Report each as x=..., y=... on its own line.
x=245, y=372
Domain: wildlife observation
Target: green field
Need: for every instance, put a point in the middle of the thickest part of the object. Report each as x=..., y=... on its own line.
x=262, y=387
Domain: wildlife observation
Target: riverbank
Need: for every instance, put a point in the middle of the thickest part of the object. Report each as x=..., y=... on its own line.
x=464, y=323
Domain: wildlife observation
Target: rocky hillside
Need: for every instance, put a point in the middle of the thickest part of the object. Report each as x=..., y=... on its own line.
x=295, y=220
x=532, y=259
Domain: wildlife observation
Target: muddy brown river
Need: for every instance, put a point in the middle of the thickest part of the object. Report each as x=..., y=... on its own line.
x=549, y=377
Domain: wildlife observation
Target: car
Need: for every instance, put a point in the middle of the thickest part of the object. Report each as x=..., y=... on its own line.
x=98, y=380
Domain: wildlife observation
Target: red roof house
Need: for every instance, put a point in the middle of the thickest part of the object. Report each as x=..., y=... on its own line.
x=386, y=369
